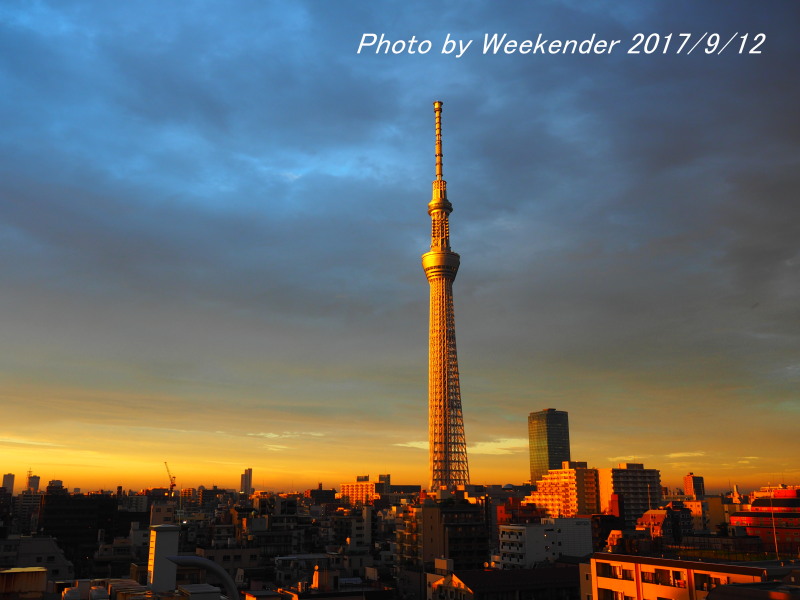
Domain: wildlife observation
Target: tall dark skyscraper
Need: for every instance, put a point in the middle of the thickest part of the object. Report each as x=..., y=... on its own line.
x=548, y=438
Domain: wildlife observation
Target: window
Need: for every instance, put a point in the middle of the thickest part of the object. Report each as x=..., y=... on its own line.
x=663, y=576
x=604, y=570
x=678, y=580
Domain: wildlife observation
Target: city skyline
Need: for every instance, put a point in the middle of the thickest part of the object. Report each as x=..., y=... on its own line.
x=211, y=224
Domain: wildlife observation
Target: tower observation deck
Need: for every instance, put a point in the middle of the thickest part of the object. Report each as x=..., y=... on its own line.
x=448, y=449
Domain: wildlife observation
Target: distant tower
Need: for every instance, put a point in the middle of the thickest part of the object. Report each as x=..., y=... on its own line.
x=8, y=482
x=448, y=448
x=548, y=439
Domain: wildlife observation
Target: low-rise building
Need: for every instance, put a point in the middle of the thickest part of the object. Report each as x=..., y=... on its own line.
x=24, y=582
x=525, y=546
x=618, y=576
x=775, y=519
x=550, y=583
x=40, y=551
x=668, y=525
x=362, y=491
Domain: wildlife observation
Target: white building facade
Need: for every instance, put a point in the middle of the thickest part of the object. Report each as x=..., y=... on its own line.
x=524, y=546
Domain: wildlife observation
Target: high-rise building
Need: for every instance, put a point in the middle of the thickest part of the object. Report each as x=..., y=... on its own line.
x=8, y=482
x=33, y=482
x=351, y=528
x=448, y=448
x=694, y=486
x=246, y=486
x=431, y=530
x=77, y=522
x=26, y=512
x=637, y=487
x=568, y=492
x=56, y=486
x=548, y=440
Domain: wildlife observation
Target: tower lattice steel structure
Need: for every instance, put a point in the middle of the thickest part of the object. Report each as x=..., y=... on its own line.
x=448, y=448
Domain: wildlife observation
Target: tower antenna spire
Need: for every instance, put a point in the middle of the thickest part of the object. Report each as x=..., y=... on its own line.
x=437, y=109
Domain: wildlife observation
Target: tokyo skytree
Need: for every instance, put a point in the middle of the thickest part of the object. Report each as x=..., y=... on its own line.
x=448, y=448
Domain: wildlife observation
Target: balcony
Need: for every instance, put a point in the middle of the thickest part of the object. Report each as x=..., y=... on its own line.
x=665, y=577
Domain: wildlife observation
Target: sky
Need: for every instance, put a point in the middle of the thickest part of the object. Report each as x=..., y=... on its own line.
x=212, y=216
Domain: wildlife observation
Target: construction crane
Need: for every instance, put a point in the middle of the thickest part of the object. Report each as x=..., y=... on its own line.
x=171, y=479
